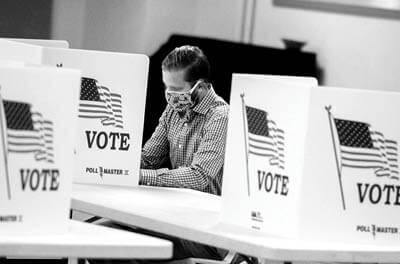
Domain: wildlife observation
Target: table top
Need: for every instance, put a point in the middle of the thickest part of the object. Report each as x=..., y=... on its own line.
x=83, y=240
x=195, y=216
x=167, y=210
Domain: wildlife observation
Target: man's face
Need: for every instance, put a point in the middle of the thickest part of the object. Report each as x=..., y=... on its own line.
x=174, y=81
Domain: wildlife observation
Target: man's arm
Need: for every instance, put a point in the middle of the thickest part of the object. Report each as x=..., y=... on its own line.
x=207, y=161
x=156, y=148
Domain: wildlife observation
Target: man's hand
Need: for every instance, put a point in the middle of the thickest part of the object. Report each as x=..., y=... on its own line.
x=140, y=177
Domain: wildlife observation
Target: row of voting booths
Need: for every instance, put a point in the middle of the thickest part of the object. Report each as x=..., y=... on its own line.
x=302, y=161
x=312, y=163
x=66, y=115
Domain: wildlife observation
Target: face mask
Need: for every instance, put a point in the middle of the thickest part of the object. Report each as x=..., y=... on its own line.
x=181, y=101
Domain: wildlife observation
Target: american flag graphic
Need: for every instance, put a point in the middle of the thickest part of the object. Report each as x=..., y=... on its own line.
x=361, y=147
x=99, y=103
x=28, y=131
x=265, y=138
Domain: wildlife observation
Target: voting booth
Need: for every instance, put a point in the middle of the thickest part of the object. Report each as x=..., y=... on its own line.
x=110, y=111
x=312, y=163
x=38, y=107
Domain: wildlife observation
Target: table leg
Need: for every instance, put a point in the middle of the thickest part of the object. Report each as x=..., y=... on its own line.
x=72, y=260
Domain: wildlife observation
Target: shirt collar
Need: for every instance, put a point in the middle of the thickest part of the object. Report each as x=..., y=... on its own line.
x=204, y=105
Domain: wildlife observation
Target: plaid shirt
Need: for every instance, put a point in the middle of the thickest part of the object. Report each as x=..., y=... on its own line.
x=195, y=144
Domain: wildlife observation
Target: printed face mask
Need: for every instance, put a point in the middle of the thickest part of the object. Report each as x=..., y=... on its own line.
x=181, y=101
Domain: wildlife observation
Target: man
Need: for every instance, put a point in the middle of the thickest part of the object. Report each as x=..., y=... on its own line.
x=192, y=129
x=191, y=133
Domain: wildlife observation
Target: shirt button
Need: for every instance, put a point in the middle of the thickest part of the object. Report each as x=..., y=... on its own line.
x=180, y=145
x=185, y=124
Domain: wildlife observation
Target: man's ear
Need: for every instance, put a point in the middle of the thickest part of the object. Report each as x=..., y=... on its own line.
x=203, y=84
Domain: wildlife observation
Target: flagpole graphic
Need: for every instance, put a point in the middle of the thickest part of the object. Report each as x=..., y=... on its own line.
x=263, y=138
x=3, y=131
x=246, y=142
x=328, y=109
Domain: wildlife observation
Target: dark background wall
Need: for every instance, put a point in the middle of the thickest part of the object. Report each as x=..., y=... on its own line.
x=226, y=58
x=25, y=18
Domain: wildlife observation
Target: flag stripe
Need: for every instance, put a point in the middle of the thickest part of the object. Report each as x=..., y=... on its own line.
x=83, y=106
x=360, y=166
x=268, y=142
x=261, y=154
x=93, y=116
x=94, y=111
x=262, y=148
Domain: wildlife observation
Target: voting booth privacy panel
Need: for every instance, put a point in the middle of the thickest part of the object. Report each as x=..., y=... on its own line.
x=43, y=42
x=314, y=163
x=110, y=112
x=36, y=148
x=18, y=51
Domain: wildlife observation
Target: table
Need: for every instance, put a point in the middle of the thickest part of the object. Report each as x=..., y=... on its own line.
x=84, y=240
x=194, y=215
x=166, y=210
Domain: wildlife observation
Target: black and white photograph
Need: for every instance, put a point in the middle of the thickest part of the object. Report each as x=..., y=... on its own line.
x=199, y=131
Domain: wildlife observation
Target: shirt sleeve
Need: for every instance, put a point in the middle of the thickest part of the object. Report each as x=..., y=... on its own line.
x=155, y=151
x=207, y=161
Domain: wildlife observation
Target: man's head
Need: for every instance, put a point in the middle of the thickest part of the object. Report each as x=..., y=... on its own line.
x=188, y=63
x=184, y=70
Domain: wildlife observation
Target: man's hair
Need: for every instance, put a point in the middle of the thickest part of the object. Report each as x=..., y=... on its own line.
x=189, y=58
